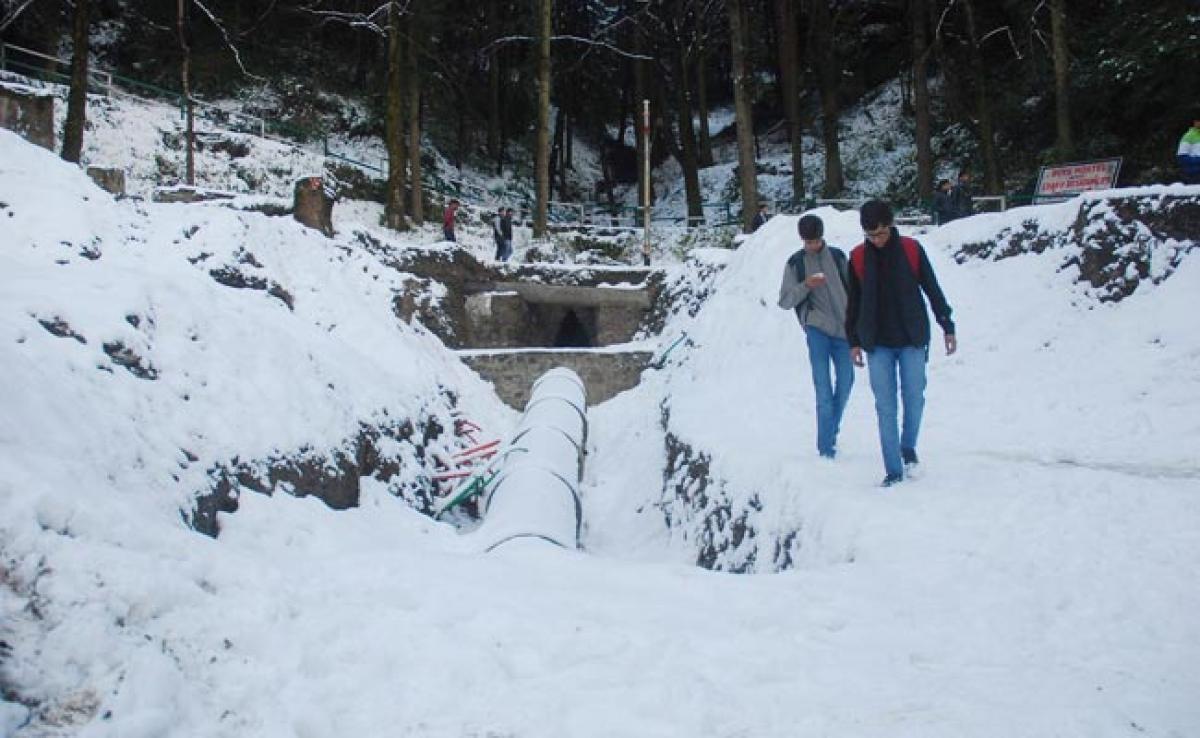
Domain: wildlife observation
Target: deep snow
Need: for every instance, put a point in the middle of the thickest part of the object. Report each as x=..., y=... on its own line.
x=1037, y=580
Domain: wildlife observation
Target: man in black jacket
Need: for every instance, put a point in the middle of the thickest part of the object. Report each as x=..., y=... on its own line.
x=960, y=196
x=886, y=317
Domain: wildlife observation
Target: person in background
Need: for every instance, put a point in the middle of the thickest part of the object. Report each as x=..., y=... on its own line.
x=506, y=231
x=960, y=196
x=886, y=319
x=448, y=219
x=1188, y=154
x=814, y=285
x=943, y=204
x=759, y=218
x=498, y=233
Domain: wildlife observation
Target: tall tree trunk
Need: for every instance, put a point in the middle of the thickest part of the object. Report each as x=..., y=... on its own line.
x=920, y=70
x=983, y=105
x=412, y=75
x=72, y=147
x=1062, y=80
x=687, y=135
x=186, y=80
x=556, y=151
x=569, y=145
x=641, y=93
x=363, y=46
x=824, y=60
x=542, y=157
x=705, y=154
x=493, y=29
x=747, y=174
x=394, y=123
x=789, y=77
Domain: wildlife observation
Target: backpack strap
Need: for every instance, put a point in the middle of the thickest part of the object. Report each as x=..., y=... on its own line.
x=858, y=260
x=839, y=260
x=912, y=250
x=796, y=261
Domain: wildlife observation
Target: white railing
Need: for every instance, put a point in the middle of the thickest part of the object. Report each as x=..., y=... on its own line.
x=1001, y=199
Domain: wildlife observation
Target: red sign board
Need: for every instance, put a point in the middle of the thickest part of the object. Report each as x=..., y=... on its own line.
x=1066, y=180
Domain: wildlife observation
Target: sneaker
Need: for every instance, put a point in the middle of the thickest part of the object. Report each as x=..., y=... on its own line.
x=892, y=479
x=910, y=456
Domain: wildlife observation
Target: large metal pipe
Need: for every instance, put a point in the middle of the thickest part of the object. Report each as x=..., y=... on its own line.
x=536, y=492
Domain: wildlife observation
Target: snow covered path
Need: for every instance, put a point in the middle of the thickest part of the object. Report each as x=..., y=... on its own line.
x=990, y=597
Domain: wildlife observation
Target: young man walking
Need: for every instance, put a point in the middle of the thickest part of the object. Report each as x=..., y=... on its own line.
x=814, y=285
x=506, y=229
x=887, y=319
x=960, y=195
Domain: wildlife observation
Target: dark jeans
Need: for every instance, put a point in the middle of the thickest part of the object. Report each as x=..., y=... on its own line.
x=448, y=234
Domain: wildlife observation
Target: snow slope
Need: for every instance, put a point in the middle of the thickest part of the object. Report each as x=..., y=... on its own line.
x=1037, y=581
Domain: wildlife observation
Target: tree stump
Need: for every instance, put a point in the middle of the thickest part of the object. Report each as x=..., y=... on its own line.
x=313, y=204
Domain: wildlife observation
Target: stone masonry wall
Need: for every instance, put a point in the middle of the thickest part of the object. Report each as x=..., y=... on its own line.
x=29, y=113
x=604, y=374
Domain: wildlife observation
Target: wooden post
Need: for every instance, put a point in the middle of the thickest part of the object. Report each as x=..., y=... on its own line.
x=646, y=182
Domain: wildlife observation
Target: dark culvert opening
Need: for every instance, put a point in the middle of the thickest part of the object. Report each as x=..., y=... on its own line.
x=572, y=333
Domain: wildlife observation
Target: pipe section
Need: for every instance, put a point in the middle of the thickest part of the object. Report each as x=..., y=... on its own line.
x=536, y=493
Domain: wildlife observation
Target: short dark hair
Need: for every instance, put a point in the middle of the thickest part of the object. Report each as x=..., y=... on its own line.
x=875, y=213
x=810, y=228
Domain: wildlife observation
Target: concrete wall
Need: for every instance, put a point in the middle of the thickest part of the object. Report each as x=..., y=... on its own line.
x=534, y=318
x=29, y=113
x=604, y=373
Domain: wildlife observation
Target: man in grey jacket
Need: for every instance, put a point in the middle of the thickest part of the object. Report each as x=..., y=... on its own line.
x=815, y=286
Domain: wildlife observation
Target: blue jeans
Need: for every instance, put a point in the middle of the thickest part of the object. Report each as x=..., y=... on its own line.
x=824, y=349
x=883, y=365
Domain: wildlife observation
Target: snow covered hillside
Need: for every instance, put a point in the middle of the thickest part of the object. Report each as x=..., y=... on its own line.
x=1038, y=580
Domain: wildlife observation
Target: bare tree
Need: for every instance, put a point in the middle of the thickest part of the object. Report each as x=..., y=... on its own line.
x=789, y=90
x=918, y=17
x=10, y=10
x=1062, y=81
x=823, y=55
x=72, y=147
x=542, y=163
x=185, y=75
x=683, y=110
x=705, y=154
x=393, y=210
x=412, y=74
x=494, y=88
x=747, y=173
x=983, y=103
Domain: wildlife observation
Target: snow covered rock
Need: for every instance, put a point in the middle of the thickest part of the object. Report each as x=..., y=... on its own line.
x=1116, y=241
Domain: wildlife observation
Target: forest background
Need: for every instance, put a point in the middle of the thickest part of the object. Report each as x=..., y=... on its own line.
x=1017, y=84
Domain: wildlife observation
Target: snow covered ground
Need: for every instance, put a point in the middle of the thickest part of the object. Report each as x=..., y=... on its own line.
x=1037, y=580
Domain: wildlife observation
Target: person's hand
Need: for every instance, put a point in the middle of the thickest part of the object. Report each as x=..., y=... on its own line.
x=814, y=280
x=856, y=355
x=951, y=344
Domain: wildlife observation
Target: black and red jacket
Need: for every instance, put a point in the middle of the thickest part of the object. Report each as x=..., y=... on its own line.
x=893, y=282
